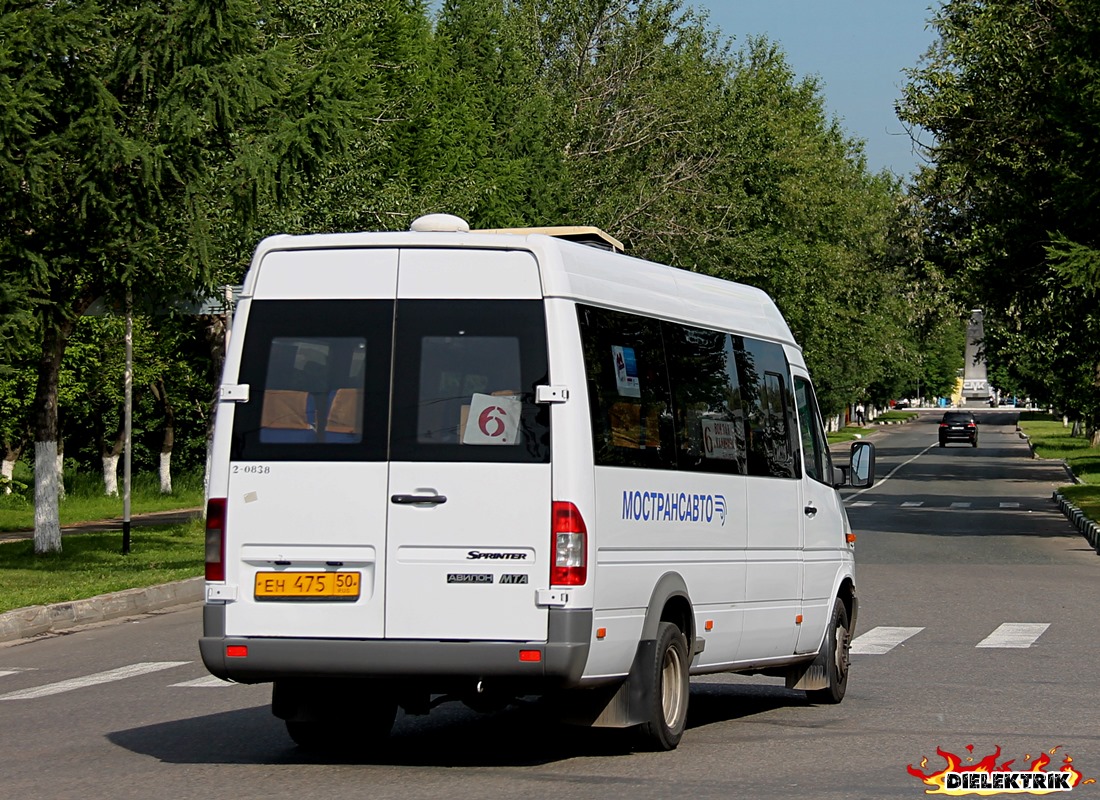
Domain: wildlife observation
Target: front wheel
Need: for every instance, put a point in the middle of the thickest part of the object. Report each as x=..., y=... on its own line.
x=837, y=647
x=667, y=690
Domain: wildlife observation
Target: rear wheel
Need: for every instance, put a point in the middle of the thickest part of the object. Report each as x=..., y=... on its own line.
x=334, y=716
x=975, y=443
x=837, y=646
x=667, y=688
x=943, y=443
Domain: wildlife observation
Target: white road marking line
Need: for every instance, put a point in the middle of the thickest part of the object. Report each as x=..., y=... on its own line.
x=15, y=670
x=204, y=683
x=889, y=475
x=1010, y=505
x=863, y=503
x=912, y=504
x=1015, y=634
x=91, y=680
x=960, y=505
x=881, y=640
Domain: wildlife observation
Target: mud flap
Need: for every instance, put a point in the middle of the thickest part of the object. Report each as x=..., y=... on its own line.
x=813, y=675
x=619, y=705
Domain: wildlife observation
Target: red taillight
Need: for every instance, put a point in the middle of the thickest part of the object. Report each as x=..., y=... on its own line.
x=215, y=539
x=943, y=424
x=237, y=651
x=569, y=540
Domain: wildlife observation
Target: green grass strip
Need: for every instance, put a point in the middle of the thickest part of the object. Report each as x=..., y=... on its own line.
x=91, y=564
x=1051, y=439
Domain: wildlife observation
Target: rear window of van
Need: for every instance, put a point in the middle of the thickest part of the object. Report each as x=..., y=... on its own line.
x=411, y=380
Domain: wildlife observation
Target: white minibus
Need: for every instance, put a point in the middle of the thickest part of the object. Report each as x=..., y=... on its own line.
x=455, y=464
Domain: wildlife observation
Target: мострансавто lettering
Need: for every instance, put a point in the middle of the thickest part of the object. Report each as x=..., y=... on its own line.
x=674, y=507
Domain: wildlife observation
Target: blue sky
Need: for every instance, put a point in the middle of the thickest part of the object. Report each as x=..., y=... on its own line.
x=858, y=49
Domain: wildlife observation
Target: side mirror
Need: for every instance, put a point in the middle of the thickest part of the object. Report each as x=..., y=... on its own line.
x=862, y=472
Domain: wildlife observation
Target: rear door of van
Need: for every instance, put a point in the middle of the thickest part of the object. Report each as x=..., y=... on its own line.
x=390, y=471
x=469, y=478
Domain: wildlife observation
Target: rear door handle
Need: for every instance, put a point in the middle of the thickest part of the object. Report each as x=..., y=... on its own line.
x=810, y=510
x=418, y=499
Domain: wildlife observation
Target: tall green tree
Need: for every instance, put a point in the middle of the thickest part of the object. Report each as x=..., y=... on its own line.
x=1010, y=94
x=145, y=117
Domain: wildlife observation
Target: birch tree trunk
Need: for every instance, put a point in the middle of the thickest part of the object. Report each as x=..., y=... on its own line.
x=110, y=458
x=12, y=451
x=47, y=521
x=110, y=475
x=166, y=472
x=7, y=469
x=160, y=392
x=47, y=467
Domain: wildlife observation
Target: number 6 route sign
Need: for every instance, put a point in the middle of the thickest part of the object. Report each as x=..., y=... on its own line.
x=492, y=420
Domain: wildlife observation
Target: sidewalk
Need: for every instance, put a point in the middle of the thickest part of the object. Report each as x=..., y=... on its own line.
x=23, y=623
x=114, y=524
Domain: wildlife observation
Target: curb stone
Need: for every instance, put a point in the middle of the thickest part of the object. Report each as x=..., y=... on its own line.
x=22, y=623
x=1089, y=529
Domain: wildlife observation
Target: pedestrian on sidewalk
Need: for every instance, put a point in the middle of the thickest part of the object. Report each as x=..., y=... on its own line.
x=860, y=415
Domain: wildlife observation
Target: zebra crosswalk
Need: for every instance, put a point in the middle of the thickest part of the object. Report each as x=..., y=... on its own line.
x=878, y=641
x=881, y=640
x=1000, y=505
x=72, y=684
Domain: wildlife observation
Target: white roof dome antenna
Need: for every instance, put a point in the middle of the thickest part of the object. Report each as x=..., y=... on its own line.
x=440, y=223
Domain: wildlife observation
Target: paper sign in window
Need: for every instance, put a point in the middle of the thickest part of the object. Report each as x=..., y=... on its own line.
x=492, y=419
x=626, y=371
x=719, y=440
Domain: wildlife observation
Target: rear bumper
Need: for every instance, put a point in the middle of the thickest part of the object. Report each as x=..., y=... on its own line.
x=958, y=436
x=562, y=657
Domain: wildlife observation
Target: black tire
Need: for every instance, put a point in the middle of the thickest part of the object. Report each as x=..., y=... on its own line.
x=317, y=737
x=837, y=646
x=943, y=443
x=667, y=690
x=975, y=443
x=326, y=722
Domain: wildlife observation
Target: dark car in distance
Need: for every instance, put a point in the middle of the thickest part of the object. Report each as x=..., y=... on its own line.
x=958, y=426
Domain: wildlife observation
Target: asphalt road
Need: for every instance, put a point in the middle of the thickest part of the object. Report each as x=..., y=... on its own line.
x=125, y=710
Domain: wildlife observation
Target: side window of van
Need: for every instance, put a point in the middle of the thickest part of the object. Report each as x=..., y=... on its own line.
x=772, y=449
x=710, y=423
x=628, y=389
x=465, y=373
x=815, y=448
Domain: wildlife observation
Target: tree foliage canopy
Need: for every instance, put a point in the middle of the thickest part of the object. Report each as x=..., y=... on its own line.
x=1010, y=93
x=146, y=146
